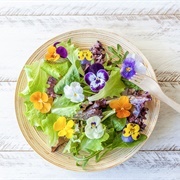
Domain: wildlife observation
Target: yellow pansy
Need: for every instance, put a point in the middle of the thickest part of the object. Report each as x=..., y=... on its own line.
x=51, y=54
x=85, y=54
x=64, y=127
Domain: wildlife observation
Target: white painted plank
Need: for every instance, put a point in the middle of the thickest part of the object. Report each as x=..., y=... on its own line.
x=158, y=165
x=34, y=8
x=158, y=37
x=164, y=137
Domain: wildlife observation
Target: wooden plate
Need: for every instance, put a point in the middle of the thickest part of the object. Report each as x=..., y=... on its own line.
x=83, y=38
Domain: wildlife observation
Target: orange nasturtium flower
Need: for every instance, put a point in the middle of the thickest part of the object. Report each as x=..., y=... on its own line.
x=41, y=101
x=51, y=55
x=122, y=106
x=64, y=128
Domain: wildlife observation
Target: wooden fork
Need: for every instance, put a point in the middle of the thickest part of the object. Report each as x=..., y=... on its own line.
x=148, y=84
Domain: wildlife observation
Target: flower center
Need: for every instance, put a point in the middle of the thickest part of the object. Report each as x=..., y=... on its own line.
x=75, y=94
x=128, y=69
x=93, y=125
x=131, y=131
x=122, y=109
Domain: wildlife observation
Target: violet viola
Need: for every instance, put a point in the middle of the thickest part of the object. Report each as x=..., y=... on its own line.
x=132, y=65
x=96, y=77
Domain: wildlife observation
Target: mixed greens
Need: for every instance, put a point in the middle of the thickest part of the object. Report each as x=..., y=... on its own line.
x=84, y=99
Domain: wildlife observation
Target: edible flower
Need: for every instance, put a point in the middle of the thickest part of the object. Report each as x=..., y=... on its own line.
x=96, y=77
x=74, y=92
x=62, y=52
x=85, y=55
x=51, y=54
x=122, y=106
x=41, y=101
x=131, y=132
x=132, y=65
x=94, y=128
x=64, y=127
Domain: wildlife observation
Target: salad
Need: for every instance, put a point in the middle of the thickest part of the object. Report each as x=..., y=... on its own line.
x=83, y=101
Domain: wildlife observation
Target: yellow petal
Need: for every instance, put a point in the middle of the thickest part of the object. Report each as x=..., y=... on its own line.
x=70, y=124
x=62, y=133
x=88, y=55
x=81, y=55
x=130, y=125
x=38, y=105
x=36, y=96
x=51, y=49
x=59, y=124
x=136, y=128
x=46, y=108
x=126, y=132
x=135, y=136
x=44, y=97
x=69, y=133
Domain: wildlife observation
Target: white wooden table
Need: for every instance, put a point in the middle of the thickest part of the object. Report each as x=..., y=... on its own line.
x=154, y=27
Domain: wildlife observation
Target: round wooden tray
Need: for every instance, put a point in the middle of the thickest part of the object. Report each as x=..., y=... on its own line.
x=83, y=38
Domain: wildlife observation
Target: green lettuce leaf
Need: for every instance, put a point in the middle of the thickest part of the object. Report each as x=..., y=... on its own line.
x=93, y=144
x=36, y=77
x=64, y=107
x=47, y=126
x=57, y=70
x=114, y=86
x=34, y=116
x=71, y=76
x=119, y=123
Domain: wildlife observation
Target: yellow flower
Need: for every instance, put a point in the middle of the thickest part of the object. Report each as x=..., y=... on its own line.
x=41, y=101
x=122, y=106
x=85, y=54
x=64, y=128
x=132, y=130
x=51, y=55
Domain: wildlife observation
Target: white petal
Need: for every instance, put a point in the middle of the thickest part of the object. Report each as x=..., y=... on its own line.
x=140, y=68
x=68, y=91
x=95, y=119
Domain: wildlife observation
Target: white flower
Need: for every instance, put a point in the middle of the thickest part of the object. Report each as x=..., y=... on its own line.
x=74, y=92
x=93, y=128
x=139, y=66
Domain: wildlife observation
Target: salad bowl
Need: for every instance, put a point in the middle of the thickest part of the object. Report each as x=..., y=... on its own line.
x=84, y=39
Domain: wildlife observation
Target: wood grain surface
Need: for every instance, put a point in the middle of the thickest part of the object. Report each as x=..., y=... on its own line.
x=152, y=26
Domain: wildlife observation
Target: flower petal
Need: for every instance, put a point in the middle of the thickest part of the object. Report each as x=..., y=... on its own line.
x=123, y=113
x=38, y=105
x=89, y=77
x=94, y=68
x=46, y=108
x=97, y=85
x=136, y=128
x=62, y=132
x=70, y=124
x=44, y=97
x=102, y=74
x=55, y=44
x=70, y=133
x=68, y=91
x=126, y=132
x=62, y=51
x=93, y=119
x=59, y=124
x=114, y=104
x=135, y=136
x=127, y=139
x=36, y=96
x=51, y=50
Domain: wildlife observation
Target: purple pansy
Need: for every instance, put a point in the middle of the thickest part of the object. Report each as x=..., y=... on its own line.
x=128, y=68
x=62, y=51
x=131, y=65
x=96, y=77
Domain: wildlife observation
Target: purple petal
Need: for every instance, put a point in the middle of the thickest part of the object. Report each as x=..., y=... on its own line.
x=94, y=68
x=62, y=51
x=55, y=44
x=97, y=85
x=83, y=62
x=127, y=139
x=89, y=77
x=102, y=74
x=128, y=68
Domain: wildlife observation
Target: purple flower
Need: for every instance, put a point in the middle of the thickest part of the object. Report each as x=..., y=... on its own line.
x=96, y=77
x=128, y=68
x=62, y=52
x=127, y=139
x=55, y=44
